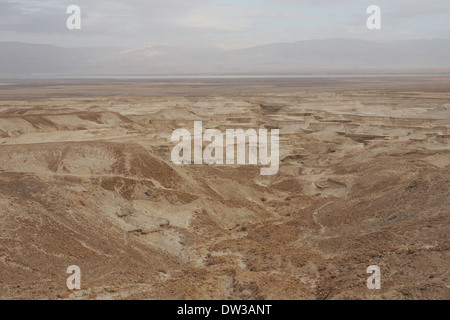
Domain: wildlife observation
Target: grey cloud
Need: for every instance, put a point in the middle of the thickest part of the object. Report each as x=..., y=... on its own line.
x=205, y=22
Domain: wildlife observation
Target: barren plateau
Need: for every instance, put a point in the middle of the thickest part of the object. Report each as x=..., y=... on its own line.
x=86, y=179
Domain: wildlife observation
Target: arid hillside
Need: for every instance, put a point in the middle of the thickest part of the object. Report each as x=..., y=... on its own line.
x=86, y=179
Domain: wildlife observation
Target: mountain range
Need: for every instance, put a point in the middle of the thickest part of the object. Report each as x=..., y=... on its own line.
x=282, y=58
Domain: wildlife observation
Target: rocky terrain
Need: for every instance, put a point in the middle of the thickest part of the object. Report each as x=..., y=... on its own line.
x=86, y=179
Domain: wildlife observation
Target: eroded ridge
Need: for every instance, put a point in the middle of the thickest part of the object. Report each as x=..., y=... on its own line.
x=364, y=179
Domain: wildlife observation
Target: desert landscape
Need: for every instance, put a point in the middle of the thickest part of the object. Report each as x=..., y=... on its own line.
x=86, y=179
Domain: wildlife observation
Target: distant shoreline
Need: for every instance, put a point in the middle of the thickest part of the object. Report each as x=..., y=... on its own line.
x=39, y=88
x=231, y=76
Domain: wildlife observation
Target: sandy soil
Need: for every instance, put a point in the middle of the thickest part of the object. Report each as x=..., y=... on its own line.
x=86, y=179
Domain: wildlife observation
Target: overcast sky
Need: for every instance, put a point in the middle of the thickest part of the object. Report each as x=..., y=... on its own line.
x=229, y=24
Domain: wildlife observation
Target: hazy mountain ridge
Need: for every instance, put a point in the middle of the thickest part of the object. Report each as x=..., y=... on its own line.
x=25, y=58
x=22, y=58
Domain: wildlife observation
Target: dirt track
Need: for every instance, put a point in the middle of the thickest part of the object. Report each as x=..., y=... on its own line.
x=86, y=179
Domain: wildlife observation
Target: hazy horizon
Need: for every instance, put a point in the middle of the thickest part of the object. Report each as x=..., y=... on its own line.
x=321, y=56
x=38, y=43
x=218, y=36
